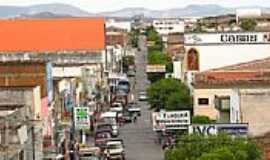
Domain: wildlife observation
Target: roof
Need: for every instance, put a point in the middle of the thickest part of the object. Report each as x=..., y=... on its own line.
x=255, y=72
x=61, y=34
x=259, y=64
x=176, y=38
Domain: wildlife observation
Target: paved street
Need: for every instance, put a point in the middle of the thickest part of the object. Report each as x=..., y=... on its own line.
x=139, y=137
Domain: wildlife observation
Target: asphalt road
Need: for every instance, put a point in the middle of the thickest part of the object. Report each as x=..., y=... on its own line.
x=138, y=137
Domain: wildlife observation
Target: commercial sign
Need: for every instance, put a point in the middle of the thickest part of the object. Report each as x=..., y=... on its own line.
x=228, y=38
x=81, y=117
x=212, y=129
x=170, y=120
x=156, y=68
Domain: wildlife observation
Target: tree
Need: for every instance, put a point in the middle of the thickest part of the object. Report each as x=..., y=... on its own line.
x=168, y=94
x=157, y=57
x=152, y=35
x=128, y=61
x=248, y=24
x=215, y=147
x=134, y=37
x=201, y=120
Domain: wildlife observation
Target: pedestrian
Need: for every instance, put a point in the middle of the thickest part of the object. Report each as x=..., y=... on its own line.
x=135, y=119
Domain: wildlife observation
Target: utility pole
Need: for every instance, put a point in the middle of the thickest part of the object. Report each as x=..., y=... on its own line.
x=33, y=142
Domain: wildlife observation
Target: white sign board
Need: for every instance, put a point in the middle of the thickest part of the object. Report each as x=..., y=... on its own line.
x=81, y=117
x=228, y=38
x=213, y=129
x=155, y=68
x=173, y=120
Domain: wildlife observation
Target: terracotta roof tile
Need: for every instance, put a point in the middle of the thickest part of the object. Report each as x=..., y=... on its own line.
x=61, y=34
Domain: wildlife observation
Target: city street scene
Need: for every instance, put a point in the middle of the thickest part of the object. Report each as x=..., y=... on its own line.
x=135, y=80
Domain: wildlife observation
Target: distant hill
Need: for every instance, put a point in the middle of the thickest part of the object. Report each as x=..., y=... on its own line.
x=44, y=15
x=54, y=8
x=64, y=10
x=191, y=10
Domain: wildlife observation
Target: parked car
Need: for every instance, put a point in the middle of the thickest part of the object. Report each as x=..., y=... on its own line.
x=117, y=107
x=110, y=127
x=143, y=96
x=131, y=73
x=136, y=111
x=101, y=138
x=115, y=150
x=127, y=116
x=90, y=153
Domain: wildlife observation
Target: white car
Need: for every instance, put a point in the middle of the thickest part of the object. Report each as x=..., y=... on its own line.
x=142, y=96
x=115, y=150
x=117, y=107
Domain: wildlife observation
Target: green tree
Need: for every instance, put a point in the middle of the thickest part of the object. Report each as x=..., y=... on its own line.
x=134, y=37
x=248, y=24
x=128, y=61
x=215, y=147
x=169, y=94
x=152, y=35
x=201, y=120
x=157, y=57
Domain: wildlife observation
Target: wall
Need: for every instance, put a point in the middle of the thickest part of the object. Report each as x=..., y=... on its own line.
x=26, y=96
x=222, y=55
x=255, y=109
x=208, y=110
x=177, y=69
x=119, y=24
x=253, y=105
x=19, y=74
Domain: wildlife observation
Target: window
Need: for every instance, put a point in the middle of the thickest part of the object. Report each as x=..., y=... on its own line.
x=223, y=105
x=203, y=101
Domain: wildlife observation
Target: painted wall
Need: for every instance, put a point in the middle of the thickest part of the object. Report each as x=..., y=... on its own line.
x=247, y=106
x=222, y=49
x=208, y=110
x=222, y=55
x=29, y=96
x=177, y=69
x=255, y=105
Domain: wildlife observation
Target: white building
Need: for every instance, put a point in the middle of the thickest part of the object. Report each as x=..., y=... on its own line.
x=126, y=25
x=166, y=26
x=215, y=50
x=248, y=13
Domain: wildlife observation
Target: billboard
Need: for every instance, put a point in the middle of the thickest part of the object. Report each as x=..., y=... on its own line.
x=81, y=118
x=156, y=68
x=213, y=129
x=173, y=120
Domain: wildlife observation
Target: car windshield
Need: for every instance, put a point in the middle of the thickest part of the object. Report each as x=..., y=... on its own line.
x=89, y=158
x=104, y=127
x=103, y=135
x=114, y=146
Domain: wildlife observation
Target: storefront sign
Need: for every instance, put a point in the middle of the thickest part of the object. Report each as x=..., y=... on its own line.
x=81, y=117
x=212, y=129
x=228, y=38
x=156, y=68
x=170, y=120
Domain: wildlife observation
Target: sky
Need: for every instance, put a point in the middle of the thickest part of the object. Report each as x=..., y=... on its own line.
x=111, y=5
